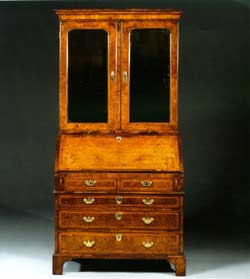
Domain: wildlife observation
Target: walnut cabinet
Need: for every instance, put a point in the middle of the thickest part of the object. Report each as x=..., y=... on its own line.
x=118, y=171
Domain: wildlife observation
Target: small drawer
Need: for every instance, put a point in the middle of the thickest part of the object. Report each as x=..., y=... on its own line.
x=85, y=200
x=119, y=243
x=147, y=185
x=89, y=183
x=150, y=201
x=120, y=219
x=86, y=219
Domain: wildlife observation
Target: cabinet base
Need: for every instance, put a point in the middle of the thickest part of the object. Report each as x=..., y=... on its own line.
x=179, y=263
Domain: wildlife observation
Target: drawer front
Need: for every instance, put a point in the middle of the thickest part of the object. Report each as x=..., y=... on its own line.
x=119, y=219
x=89, y=183
x=91, y=201
x=147, y=185
x=149, y=201
x=120, y=242
x=85, y=200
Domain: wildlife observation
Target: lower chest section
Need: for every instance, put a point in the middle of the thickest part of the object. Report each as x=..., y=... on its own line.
x=119, y=214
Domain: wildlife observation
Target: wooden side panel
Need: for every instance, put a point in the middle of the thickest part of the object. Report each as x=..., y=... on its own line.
x=147, y=153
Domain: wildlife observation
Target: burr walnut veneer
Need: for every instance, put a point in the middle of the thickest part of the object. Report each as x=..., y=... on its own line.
x=118, y=171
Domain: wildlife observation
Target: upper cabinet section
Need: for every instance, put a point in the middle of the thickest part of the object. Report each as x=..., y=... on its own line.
x=118, y=70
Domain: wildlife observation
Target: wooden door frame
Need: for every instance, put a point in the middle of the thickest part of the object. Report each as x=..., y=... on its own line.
x=126, y=28
x=113, y=113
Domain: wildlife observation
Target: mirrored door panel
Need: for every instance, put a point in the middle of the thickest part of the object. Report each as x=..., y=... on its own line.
x=87, y=76
x=149, y=75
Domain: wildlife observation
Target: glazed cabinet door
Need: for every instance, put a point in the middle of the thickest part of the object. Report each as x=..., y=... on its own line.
x=149, y=76
x=88, y=76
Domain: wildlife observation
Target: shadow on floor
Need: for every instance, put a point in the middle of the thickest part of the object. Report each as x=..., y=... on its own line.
x=124, y=265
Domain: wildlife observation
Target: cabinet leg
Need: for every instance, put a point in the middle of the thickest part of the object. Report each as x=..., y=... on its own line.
x=180, y=264
x=58, y=262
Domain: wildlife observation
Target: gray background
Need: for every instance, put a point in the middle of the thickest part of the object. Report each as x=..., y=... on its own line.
x=213, y=109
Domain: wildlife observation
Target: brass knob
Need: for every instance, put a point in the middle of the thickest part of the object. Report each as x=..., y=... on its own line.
x=147, y=220
x=88, y=200
x=148, y=244
x=118, y=138
x=89, y=243
x=88, y=219
x=146, y=183
x=118, y=237
x=90, y=182
x=119, y=199
x=118, y=216
x=148, y=201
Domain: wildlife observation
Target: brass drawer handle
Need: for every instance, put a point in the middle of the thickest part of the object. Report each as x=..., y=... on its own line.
x=119, y=199
x=90, y=182
x=88, y=219
x=146, y=183
x=147, y=220
x=118, y=216
x=118, y=237
x=88, y=200
x=89, y=243
x=148, y=201
x=148, y=244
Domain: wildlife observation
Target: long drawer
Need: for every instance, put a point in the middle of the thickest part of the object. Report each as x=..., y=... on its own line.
x=120, y=242
x=92, y=200
x=119, y=219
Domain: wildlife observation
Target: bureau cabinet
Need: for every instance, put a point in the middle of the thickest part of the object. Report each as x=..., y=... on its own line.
x=118, y=171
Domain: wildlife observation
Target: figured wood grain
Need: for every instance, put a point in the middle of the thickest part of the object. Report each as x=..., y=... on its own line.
x=107, y=243
x=76, y=201
x=164, y=185
x=77, y=184
x=131, y=153
x=118, y=14
x=133, y=219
